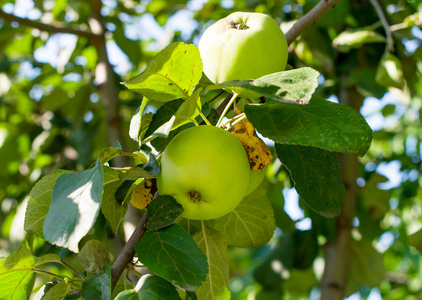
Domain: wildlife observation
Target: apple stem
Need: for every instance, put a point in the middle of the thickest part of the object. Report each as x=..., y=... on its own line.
x=226, y=109
x=236, y=119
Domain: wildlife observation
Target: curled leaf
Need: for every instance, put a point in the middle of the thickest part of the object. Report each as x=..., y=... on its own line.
x=259, y=155
x=143, y=194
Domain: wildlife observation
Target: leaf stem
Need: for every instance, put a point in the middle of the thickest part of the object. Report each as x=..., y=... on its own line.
x=226, y=109
x=204, y=118
x=73, y=269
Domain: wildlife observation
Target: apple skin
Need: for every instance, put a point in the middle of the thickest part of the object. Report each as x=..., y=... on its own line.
x=206, y=170
x=243, y=46
x=256, y=177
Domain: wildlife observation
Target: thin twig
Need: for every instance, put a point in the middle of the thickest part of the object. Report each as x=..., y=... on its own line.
x=309, y=19
x=46, y=27
x=128, y=252
x=384, y=22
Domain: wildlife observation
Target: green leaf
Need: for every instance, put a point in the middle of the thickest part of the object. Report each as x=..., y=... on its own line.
x=39, y=202
x=366, y=266
x=323, y=124
x=48, y=258
x=305, y=248
x=162, y=117
x=301, y=281
x=94, y=256
x=172, y=246
x=356, y=38
x=390, y=72
x=112, y=152
x=98, y=286
x=296, y=85
x=151, y=287
x=276, y=267
x=16, y=277
x=58, y=291
x=415, y=239
x=188, y=111
x=75, y=204
x=172, y=74
x=163, y=211
x=112, y=210
x=216, y=286
x=127, y=295
x=250, y=224
x=316, y=176
x=139, y=121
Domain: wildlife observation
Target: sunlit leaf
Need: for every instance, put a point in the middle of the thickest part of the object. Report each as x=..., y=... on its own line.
x=172, y=74
x=75, y=204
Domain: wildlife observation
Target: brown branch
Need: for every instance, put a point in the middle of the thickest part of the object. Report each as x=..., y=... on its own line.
x=337, y=252
x=104, y=78
x=385, y=25
x=309, y=19
x=128, y=252
x=46, y=27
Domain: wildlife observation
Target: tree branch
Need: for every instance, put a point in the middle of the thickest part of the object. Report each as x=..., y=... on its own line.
x=126, y=255
x=384, y=22
x=104, y=79
x=337, y=252
x=47, y=27
x=309, y=19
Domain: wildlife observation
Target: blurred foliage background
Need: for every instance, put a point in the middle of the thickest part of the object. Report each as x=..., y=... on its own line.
x=61, y=103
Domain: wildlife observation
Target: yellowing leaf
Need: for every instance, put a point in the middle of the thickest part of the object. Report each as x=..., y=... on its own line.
x=142, y=195
x=258, y=153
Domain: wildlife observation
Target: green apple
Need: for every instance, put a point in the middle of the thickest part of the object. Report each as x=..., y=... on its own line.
x=256, y=177
x=206, y=170
x=243, y=46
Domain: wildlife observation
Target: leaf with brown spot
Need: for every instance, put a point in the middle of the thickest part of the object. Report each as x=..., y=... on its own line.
x=143, y=194
x=259, y=155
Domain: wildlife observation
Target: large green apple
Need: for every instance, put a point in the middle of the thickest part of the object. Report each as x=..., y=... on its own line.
x=206, y=170
x=243, y=46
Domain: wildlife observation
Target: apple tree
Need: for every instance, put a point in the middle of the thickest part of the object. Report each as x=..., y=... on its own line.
x=96, y=148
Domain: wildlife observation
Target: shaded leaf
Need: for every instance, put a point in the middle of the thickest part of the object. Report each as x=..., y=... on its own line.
x=323, y=124
x=163, y=211
x=75, y=204
x=366, y=266
x=316, y=176
x=58, y=291
x=98, y=286
x=39, y=202
x=172, y=246
x=94, y=256
x=113, y=210
x=355, y=38
x=390, y=71
x=216, y=285
x=250, y=224
x=151, y=287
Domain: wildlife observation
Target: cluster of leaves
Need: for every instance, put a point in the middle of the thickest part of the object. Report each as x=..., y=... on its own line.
x=307, y=133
